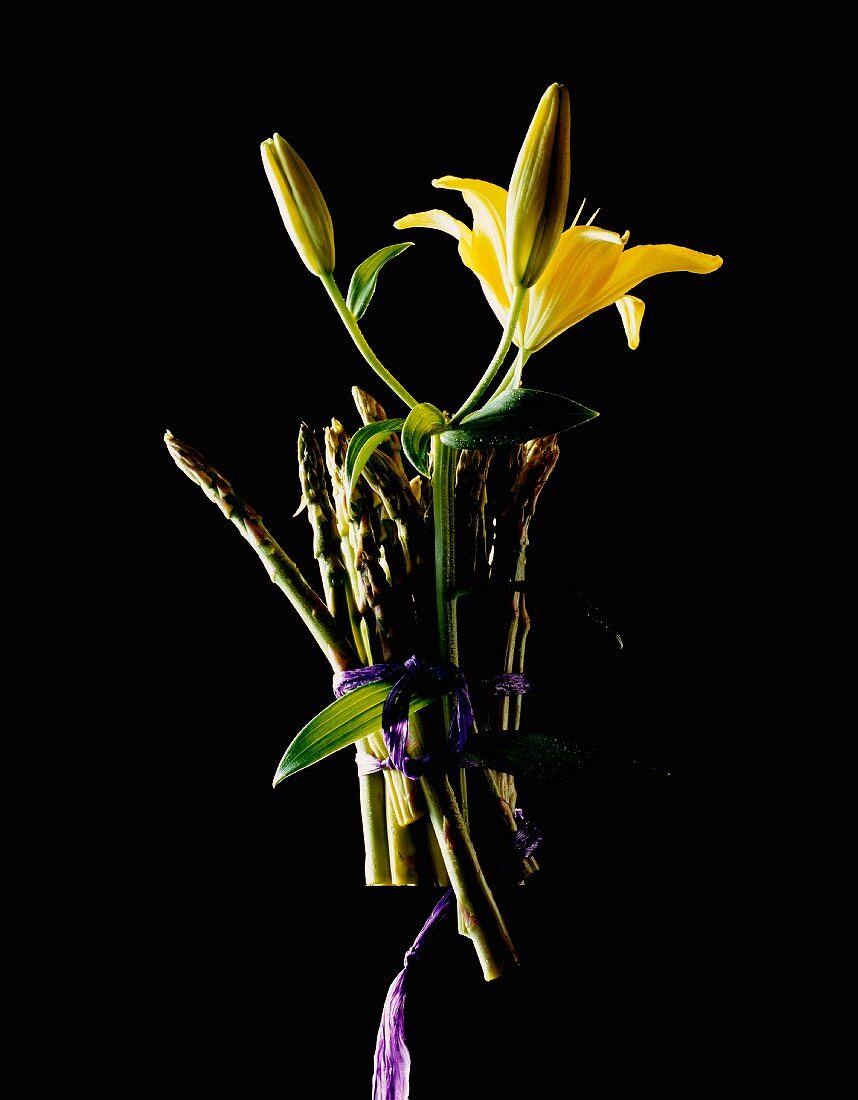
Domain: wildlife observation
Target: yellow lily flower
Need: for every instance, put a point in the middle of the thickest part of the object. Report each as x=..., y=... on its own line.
x=589, y=270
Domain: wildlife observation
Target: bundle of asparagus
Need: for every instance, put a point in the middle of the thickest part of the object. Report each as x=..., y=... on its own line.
x=422, y=614
x=373, y=555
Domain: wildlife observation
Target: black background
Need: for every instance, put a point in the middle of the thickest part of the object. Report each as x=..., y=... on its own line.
x=249, y=929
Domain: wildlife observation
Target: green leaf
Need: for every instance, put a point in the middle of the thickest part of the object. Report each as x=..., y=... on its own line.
x=533, y=754
x=516, y=416
x=420, y=425
x=341, y=724
x=362, y=286
x=362, y=444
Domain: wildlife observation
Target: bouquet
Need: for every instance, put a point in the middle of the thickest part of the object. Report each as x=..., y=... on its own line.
x=420, y=519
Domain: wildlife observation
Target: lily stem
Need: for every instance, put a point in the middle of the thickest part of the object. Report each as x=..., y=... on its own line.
x=513, y=375
x=363, y=347
x=497, y=361
x=443, y=474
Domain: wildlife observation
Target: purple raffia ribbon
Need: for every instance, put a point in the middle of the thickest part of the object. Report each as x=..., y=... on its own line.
x=527, y=836
x=507, y=683
x=390, y=1079
x=392, y=1058
x=415, y=677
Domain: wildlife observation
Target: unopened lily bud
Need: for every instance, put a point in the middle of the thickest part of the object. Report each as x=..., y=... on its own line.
x=539, y=190
x=302, y=207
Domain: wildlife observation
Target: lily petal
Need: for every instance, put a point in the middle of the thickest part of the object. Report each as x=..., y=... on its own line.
x=646, y=260
x=631, y=311
x=434, y=219
x=488, y=205
x=572, y=283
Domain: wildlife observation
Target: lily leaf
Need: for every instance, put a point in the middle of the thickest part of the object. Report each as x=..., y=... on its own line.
x=533, y=754
x=362, y=444
x=516, y=416
x=420, y=425
x=342, y=723
x=362, y=286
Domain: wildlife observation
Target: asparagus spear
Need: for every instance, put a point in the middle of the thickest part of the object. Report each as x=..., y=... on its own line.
x=536, y=460
x=470, y=525
x=326, y=537
x=354, y=521
x=281, y=569
x=370, y=413
x=531, y=464
x=340, y=600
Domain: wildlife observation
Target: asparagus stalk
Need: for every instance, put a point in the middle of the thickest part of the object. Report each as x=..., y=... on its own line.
x=471, y=536
x=370, y=413
x=537, y=464
x=340, y=600
x=385, y=474
x=480, y=914
x=375, y=819
x=281, y=569
x=326, y=537
x=532, y=465
x=354, y=520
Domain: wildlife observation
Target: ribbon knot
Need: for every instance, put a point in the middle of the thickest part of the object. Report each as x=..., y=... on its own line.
x=414, y=677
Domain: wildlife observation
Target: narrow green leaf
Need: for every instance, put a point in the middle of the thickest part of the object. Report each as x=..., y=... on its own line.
x=546, y=758
x=362, y=444
x=362, y=286
x=342, y=723
x=420, y=425
x=516, y=416
x=533, y=754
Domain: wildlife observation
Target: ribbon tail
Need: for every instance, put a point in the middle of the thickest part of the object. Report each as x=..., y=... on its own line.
x=392, y=1059
x=392, y=1070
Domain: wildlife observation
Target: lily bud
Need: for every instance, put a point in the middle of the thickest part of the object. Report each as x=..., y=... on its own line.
x=539, y=190
x=302, y=207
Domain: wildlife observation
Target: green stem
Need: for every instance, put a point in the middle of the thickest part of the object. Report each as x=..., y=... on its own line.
x=513, y=373
x=500, y=355
x=363, y=347
x=443, y=515
x=443, y=473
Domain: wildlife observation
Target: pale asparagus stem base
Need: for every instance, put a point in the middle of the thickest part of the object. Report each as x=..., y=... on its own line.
x=373, y=813
x=441, y=876
x=482, y=917
x=402, y=802
x=480, y=914
x=401, y=841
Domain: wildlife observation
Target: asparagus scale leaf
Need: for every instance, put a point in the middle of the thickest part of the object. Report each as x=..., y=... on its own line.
x=517, y=416
x=339, y=725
